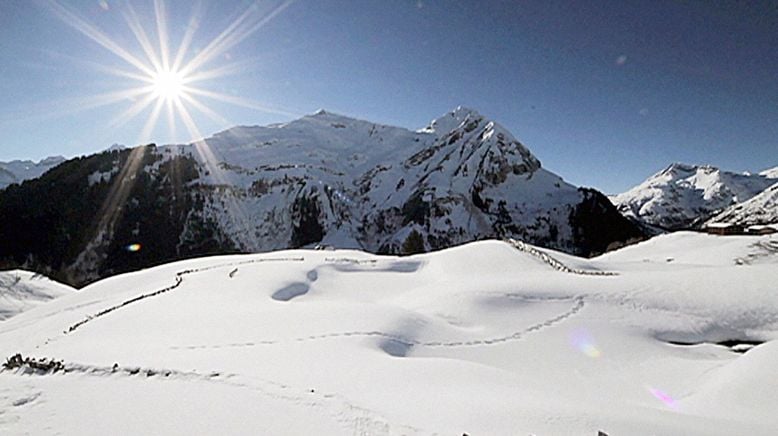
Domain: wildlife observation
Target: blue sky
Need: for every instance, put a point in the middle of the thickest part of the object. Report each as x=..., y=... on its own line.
x=605, y=93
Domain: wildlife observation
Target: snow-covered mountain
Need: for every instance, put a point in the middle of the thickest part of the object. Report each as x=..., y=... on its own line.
x=18, y=171
x=685, y=196
x=22, y=290
x=322, y=179
x=771, y=173
x=365, y=185
x=675, y=335
x=761, y=209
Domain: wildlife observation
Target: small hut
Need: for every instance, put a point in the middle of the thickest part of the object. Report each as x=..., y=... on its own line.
x=723, y=229
x=762, y=229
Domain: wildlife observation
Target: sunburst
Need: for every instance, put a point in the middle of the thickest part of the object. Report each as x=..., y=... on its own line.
x=168, y=85
x=169, y=80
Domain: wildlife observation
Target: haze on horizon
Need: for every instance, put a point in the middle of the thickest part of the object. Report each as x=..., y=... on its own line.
x=604, y=93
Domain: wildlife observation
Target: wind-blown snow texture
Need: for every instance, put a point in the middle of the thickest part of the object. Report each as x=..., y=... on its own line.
x=322, y=179
x=479, y=339
x=22, y=290
x=685, y=196
x=18, y=171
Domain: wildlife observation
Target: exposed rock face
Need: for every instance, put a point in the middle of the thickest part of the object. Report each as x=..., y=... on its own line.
x=322, y=179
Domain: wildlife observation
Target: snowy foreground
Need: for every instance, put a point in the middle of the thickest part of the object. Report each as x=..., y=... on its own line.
x=482, y=339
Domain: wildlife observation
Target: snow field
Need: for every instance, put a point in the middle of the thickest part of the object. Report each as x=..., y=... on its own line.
x=481, y=338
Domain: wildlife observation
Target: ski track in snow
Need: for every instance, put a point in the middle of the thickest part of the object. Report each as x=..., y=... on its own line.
x=179, y=279
x=553, y=262
x=28, y=391
x=298, y=289
x=281, y=295
x=288, y=294
x=356, y=419
x=578, y=305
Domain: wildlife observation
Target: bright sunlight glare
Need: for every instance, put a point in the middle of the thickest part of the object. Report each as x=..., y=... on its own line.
x=168, y=85
x=168, y=79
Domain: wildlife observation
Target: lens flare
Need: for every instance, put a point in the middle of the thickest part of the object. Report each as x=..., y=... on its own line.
x=663, y=397
x=133, y=248
x=582, y=340
x=168, y=77
x=170, y=85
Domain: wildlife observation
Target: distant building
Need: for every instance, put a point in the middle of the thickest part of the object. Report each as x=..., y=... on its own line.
x=762, y=229
x=723, y=229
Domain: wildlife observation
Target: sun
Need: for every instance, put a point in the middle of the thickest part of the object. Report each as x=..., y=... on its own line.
x=171, y=80
x=168, y=85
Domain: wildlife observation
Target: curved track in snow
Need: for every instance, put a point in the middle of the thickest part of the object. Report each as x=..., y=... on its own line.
x=578, y=305
x=179, y=278
x=392, y=339
x=552, y=262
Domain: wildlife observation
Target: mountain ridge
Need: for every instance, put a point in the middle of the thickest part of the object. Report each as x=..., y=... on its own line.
x=683, y=196
x=17, y=171
x=762, y=209
x=321, y=179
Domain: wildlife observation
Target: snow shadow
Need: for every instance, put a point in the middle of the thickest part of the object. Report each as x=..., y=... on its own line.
x=735, y=341
x=519, y=300
x=291, y=291
x=395, y=347
x=399, y=340
x=296, y=289
x=402, y=266
x=734, y=345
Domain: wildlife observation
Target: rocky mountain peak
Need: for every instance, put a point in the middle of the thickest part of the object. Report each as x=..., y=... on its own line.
x=452, y=120
x=681, y=169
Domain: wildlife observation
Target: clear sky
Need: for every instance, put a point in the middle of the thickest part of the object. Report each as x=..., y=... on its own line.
x=605, y=93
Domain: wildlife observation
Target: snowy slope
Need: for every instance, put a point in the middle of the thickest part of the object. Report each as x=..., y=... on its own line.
x=761, y=209
x=479, y=339
x=22, y=290
x=18, y=171
x=684, y=196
